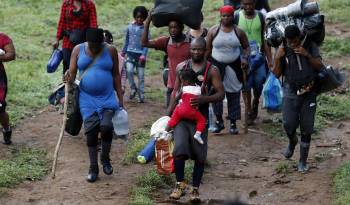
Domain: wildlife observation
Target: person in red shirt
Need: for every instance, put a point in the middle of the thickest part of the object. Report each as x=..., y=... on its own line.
x=7, y=53
x=177, y=47
x=76, y=16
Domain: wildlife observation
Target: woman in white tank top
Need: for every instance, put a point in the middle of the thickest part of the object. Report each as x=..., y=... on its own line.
x=228, y=48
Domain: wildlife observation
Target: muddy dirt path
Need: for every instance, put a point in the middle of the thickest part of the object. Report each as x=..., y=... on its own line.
x=242, y=165
x=70, y=186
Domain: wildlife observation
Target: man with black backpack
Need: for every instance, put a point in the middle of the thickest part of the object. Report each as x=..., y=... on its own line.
x=299, y=63
x=252, y=22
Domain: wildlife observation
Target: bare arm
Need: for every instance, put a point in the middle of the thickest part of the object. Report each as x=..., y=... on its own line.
x=243, y=39
x=145, y=42
x=315, y=61
x=277, y=70
x=177, y=86
x=116, y=75
x=10, y=53
x=210, y=38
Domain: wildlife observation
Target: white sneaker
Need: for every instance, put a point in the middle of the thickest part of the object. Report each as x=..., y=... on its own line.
x=197, y=136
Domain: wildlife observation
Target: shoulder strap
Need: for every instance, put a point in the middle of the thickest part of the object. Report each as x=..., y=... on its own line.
x=208, y=65
x=235, y=30
x=217, y=31
x=262, y=23
x=91, y=64
x=187, y=64
x=236, y=17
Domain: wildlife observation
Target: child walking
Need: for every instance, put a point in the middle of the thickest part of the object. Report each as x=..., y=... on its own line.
x=136, y=54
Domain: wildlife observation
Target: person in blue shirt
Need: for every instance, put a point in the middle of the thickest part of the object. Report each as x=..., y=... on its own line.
x=136, y=54
x=98, y=62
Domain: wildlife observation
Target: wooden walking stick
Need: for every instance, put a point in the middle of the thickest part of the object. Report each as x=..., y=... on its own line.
x=59, y=142
x=245, y=100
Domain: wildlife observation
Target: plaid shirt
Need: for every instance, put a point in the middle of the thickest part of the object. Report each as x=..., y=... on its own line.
x=68, y=21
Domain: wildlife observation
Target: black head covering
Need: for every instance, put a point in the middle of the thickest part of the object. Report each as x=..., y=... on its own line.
x=94, y=35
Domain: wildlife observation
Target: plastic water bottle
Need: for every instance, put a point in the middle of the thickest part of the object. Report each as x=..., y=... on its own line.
x=120, y=122
x=212, y=118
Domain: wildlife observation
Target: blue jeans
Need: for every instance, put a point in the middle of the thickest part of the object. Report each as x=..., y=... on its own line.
x=131, y=65
x=256, y=79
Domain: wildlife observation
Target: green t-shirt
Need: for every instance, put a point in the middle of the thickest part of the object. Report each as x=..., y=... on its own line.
x=252, y=27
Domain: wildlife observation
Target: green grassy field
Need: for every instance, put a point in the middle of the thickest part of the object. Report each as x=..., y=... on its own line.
x=337, y=11
x=32, y=26
x=23, y=164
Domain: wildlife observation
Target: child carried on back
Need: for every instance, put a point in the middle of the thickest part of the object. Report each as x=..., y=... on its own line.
x=184, y=110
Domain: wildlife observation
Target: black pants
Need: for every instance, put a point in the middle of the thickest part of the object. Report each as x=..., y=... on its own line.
x=233, y=106
x=299, y=111
x=187, y=147
x=66, y=58
x=93, y=125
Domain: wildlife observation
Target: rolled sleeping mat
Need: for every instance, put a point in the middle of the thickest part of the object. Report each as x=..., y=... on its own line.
x=148, y=152
x=298, y=8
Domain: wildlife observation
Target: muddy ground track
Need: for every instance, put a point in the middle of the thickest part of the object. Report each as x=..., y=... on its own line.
x=240, y=166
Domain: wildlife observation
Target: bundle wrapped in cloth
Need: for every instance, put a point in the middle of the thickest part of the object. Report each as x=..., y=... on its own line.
x=163, y=140
x=187, y=12
x=305, y=15
x=160, y=146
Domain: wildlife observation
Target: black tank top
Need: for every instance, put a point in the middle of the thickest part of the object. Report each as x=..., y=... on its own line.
x=200, y=78
x=298, y=76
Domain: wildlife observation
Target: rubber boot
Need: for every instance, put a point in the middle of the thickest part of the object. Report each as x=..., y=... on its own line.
x=293, y=141
x=93, y=170
x=7, y=136
x=105, y=160
x=304, y=153
x=255, y=109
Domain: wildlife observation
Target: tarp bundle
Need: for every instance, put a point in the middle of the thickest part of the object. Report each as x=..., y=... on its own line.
x=186, y=11
x=329, y=79
x=305, y=15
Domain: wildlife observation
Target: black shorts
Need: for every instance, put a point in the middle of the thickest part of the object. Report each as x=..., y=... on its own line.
x=94, y=120
x=186, y=145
